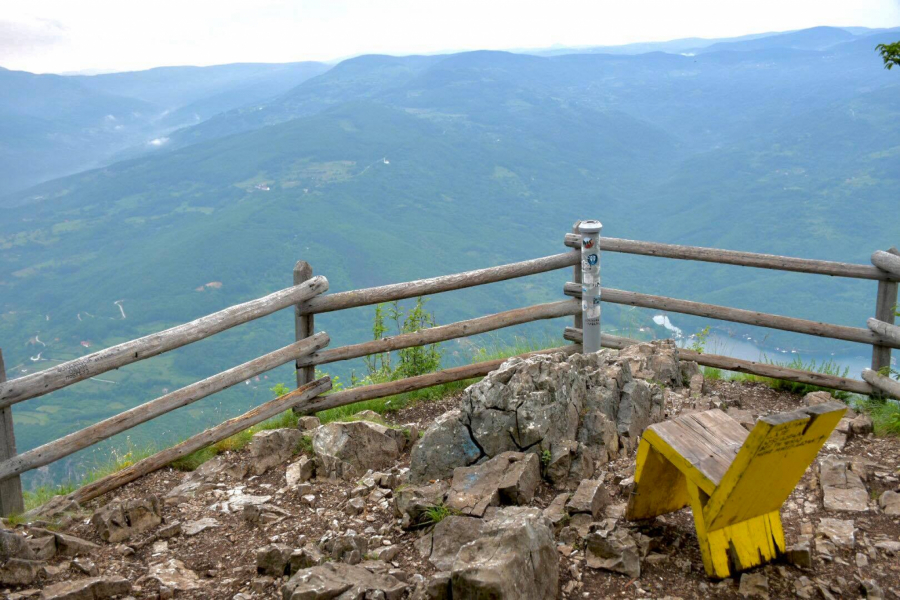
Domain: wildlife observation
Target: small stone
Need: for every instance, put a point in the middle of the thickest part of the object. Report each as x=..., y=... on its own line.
x=744, y=417
x=862, y=561
x=590, y=498
x=308, y=423
x=43, y=548
x=754, y=585
x=192, y=528
x=95, y=588
x=890, y=502
x=118, y=521
x=813, y=398
x=861, y=425
x=272, y=559
x=616, y=551
x=800, y=555
x=301, y=471
x=837, y=531
x=355, y=506
x=170, y=530
x=86, y=566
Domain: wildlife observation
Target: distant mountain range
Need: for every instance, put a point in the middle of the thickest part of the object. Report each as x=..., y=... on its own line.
x=384, y=169
x=52, y=125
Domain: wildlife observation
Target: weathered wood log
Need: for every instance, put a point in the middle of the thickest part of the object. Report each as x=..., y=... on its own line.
x=887, y=262
x=434, y=285
x=304, y=323
x=11, y=500
x=201, y=440
x=885, y=331
x=885, y=304
x=734, y=257
x=551, y=310
x=745, y=366
x=409, y=384
x=64, y=446
x=735, y=315
x=73, y=371
x=885, y=385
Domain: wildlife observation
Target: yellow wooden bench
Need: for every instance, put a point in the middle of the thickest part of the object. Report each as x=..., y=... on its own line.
x=734, y=480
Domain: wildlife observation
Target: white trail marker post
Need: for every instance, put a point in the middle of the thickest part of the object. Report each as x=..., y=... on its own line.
x=590, y=284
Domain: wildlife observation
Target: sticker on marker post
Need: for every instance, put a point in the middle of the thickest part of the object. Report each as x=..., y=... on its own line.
x=584, y=306
x=596, y=300
x=593, y=312
x=592, y=259
x=587, y=279
x=587, y=242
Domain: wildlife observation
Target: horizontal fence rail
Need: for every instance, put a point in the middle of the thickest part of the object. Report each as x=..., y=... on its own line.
x=887, y=332
x=734, y=257
x=69, y=444
x=887, y=262
x=433, y=335
x=737, y=315
x=434, y=285
x=742, y=366
x=218, y=433
x=67, y=373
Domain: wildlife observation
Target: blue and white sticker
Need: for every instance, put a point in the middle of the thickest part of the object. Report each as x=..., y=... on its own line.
x=592, y=259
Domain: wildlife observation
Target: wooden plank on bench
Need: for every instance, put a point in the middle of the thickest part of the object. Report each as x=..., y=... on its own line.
x=707, y=442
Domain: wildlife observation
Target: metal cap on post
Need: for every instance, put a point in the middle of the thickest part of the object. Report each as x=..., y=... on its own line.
x=590, y=284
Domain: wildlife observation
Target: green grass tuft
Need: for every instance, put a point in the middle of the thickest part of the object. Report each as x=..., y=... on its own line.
x=885, y=415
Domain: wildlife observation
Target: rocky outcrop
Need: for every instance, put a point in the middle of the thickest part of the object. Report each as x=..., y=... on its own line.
x=348, y=450
x=578, y=410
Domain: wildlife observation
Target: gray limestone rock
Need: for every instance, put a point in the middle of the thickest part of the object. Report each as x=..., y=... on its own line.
x=514, y=559
x=348, y=450
x=272, y=447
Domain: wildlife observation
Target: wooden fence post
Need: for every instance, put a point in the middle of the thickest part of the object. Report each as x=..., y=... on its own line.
x=304, y=324
x=885, y=304
x=576, y=277
x=11, y=501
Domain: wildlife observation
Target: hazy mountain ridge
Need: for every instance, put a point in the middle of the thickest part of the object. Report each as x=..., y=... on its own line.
x=55, y=125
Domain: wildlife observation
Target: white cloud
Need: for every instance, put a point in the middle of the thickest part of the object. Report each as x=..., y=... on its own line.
x=158, y=141
x=61, y=35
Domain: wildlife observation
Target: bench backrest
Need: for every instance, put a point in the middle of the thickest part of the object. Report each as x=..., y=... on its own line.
x=771, y=463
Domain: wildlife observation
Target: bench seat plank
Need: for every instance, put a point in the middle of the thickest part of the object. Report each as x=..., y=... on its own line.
x=709, y=441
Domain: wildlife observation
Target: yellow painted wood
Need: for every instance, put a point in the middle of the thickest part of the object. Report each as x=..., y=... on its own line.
x=737, y=518
x=659, y=487
x=681, y=463
x=737, y=547
x=771, y=463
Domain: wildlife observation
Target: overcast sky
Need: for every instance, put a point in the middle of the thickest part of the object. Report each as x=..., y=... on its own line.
x=73, y=35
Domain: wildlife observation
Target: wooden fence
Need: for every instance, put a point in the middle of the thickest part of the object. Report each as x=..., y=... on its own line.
x=308, y=351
